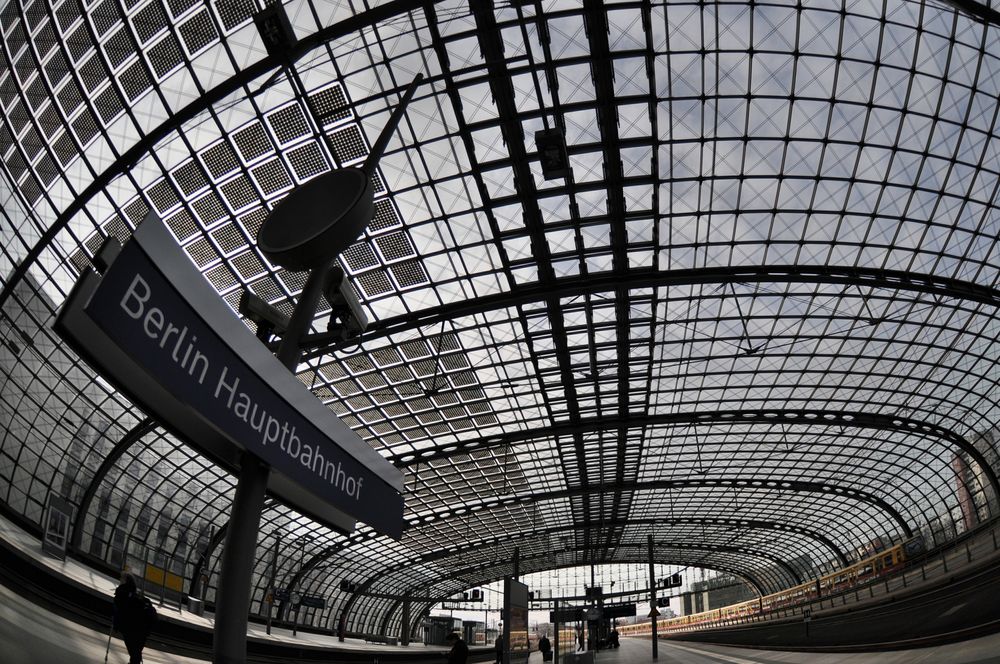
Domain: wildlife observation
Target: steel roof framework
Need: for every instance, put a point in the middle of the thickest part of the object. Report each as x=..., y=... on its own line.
x=766, y=294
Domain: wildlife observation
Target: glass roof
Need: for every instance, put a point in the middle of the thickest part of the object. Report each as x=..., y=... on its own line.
x=756, y=320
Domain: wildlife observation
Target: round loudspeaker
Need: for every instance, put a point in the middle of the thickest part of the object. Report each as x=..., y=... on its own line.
x=318, y=220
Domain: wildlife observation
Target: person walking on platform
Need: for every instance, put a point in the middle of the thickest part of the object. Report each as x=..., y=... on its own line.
x=498, y=644
x=545, y=648
x=133, y=617
x=579, y=639
x=459, y=653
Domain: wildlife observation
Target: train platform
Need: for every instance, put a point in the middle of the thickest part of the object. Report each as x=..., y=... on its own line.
x=31, y=634
x=70, y=636
x=634, y=651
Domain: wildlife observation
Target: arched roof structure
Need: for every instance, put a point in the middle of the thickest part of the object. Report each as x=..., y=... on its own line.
x=757, y=320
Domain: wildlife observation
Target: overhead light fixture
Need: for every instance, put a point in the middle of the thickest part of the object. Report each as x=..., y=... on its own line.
x=275, y=30
x=551, y=146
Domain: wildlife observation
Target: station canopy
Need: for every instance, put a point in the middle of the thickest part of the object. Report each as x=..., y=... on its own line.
x=747, y=308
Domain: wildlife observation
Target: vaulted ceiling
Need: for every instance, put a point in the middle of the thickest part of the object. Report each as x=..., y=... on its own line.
x=757, y=320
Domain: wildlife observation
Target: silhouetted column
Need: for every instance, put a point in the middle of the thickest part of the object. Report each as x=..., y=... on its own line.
x=232, y=601
x=404, y=637
x=652, y=596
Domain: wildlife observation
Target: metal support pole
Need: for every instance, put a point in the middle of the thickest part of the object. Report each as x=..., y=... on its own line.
x=274, y=575
x=232, y=600
x=297, y=606
x=517, y=563
x=289, y=351
x=163, y=579
x=404, y=636
x=371, y=162
x=652, y=597
x=555, y=628
x=233, y=597
x=505, y=616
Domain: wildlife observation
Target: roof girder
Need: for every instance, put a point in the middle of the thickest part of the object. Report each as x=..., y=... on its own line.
x=784, y=416
x=568, y=287
x=749, y=524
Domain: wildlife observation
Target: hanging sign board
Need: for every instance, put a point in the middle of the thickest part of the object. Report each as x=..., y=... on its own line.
x=619, y=610
x=567, y=614
x=314, y=601
x=154, y=327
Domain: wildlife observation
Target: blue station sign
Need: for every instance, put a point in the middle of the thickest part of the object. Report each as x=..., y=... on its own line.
x=154, y=327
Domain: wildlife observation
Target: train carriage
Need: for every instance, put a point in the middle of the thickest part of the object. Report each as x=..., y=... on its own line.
x=872, y=567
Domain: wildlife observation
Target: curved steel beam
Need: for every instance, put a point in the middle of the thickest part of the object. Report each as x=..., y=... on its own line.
x=131, y=437
x=194, y=583
x=741, y=523
x=797, y=485
x=201, y=104
x=976, y=9
x=748, y=524
x=384, y=626
x=783, y=416
x=568, y=287
x=641, y=558
x=641, y=548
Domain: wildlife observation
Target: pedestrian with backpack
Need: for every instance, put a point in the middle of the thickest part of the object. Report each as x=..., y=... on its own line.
x=133, y=617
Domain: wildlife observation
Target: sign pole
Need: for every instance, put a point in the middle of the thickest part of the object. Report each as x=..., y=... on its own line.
x=652, y=596
x=506, y=615
x=555, y=629
x=270, y=586
x=404, y=632
x=232, y=603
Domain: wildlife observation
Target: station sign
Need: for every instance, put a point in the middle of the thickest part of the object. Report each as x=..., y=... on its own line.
x=619, y=610
x=155, y=328
x=568, y=614
x=313, y=601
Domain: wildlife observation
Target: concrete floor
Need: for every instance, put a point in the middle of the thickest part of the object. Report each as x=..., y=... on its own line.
x=29, y=634
x=984, y=650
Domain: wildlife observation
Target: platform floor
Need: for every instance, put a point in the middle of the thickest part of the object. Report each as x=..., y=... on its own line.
x=29, y=634
x=80, y=574
x=984, y=650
